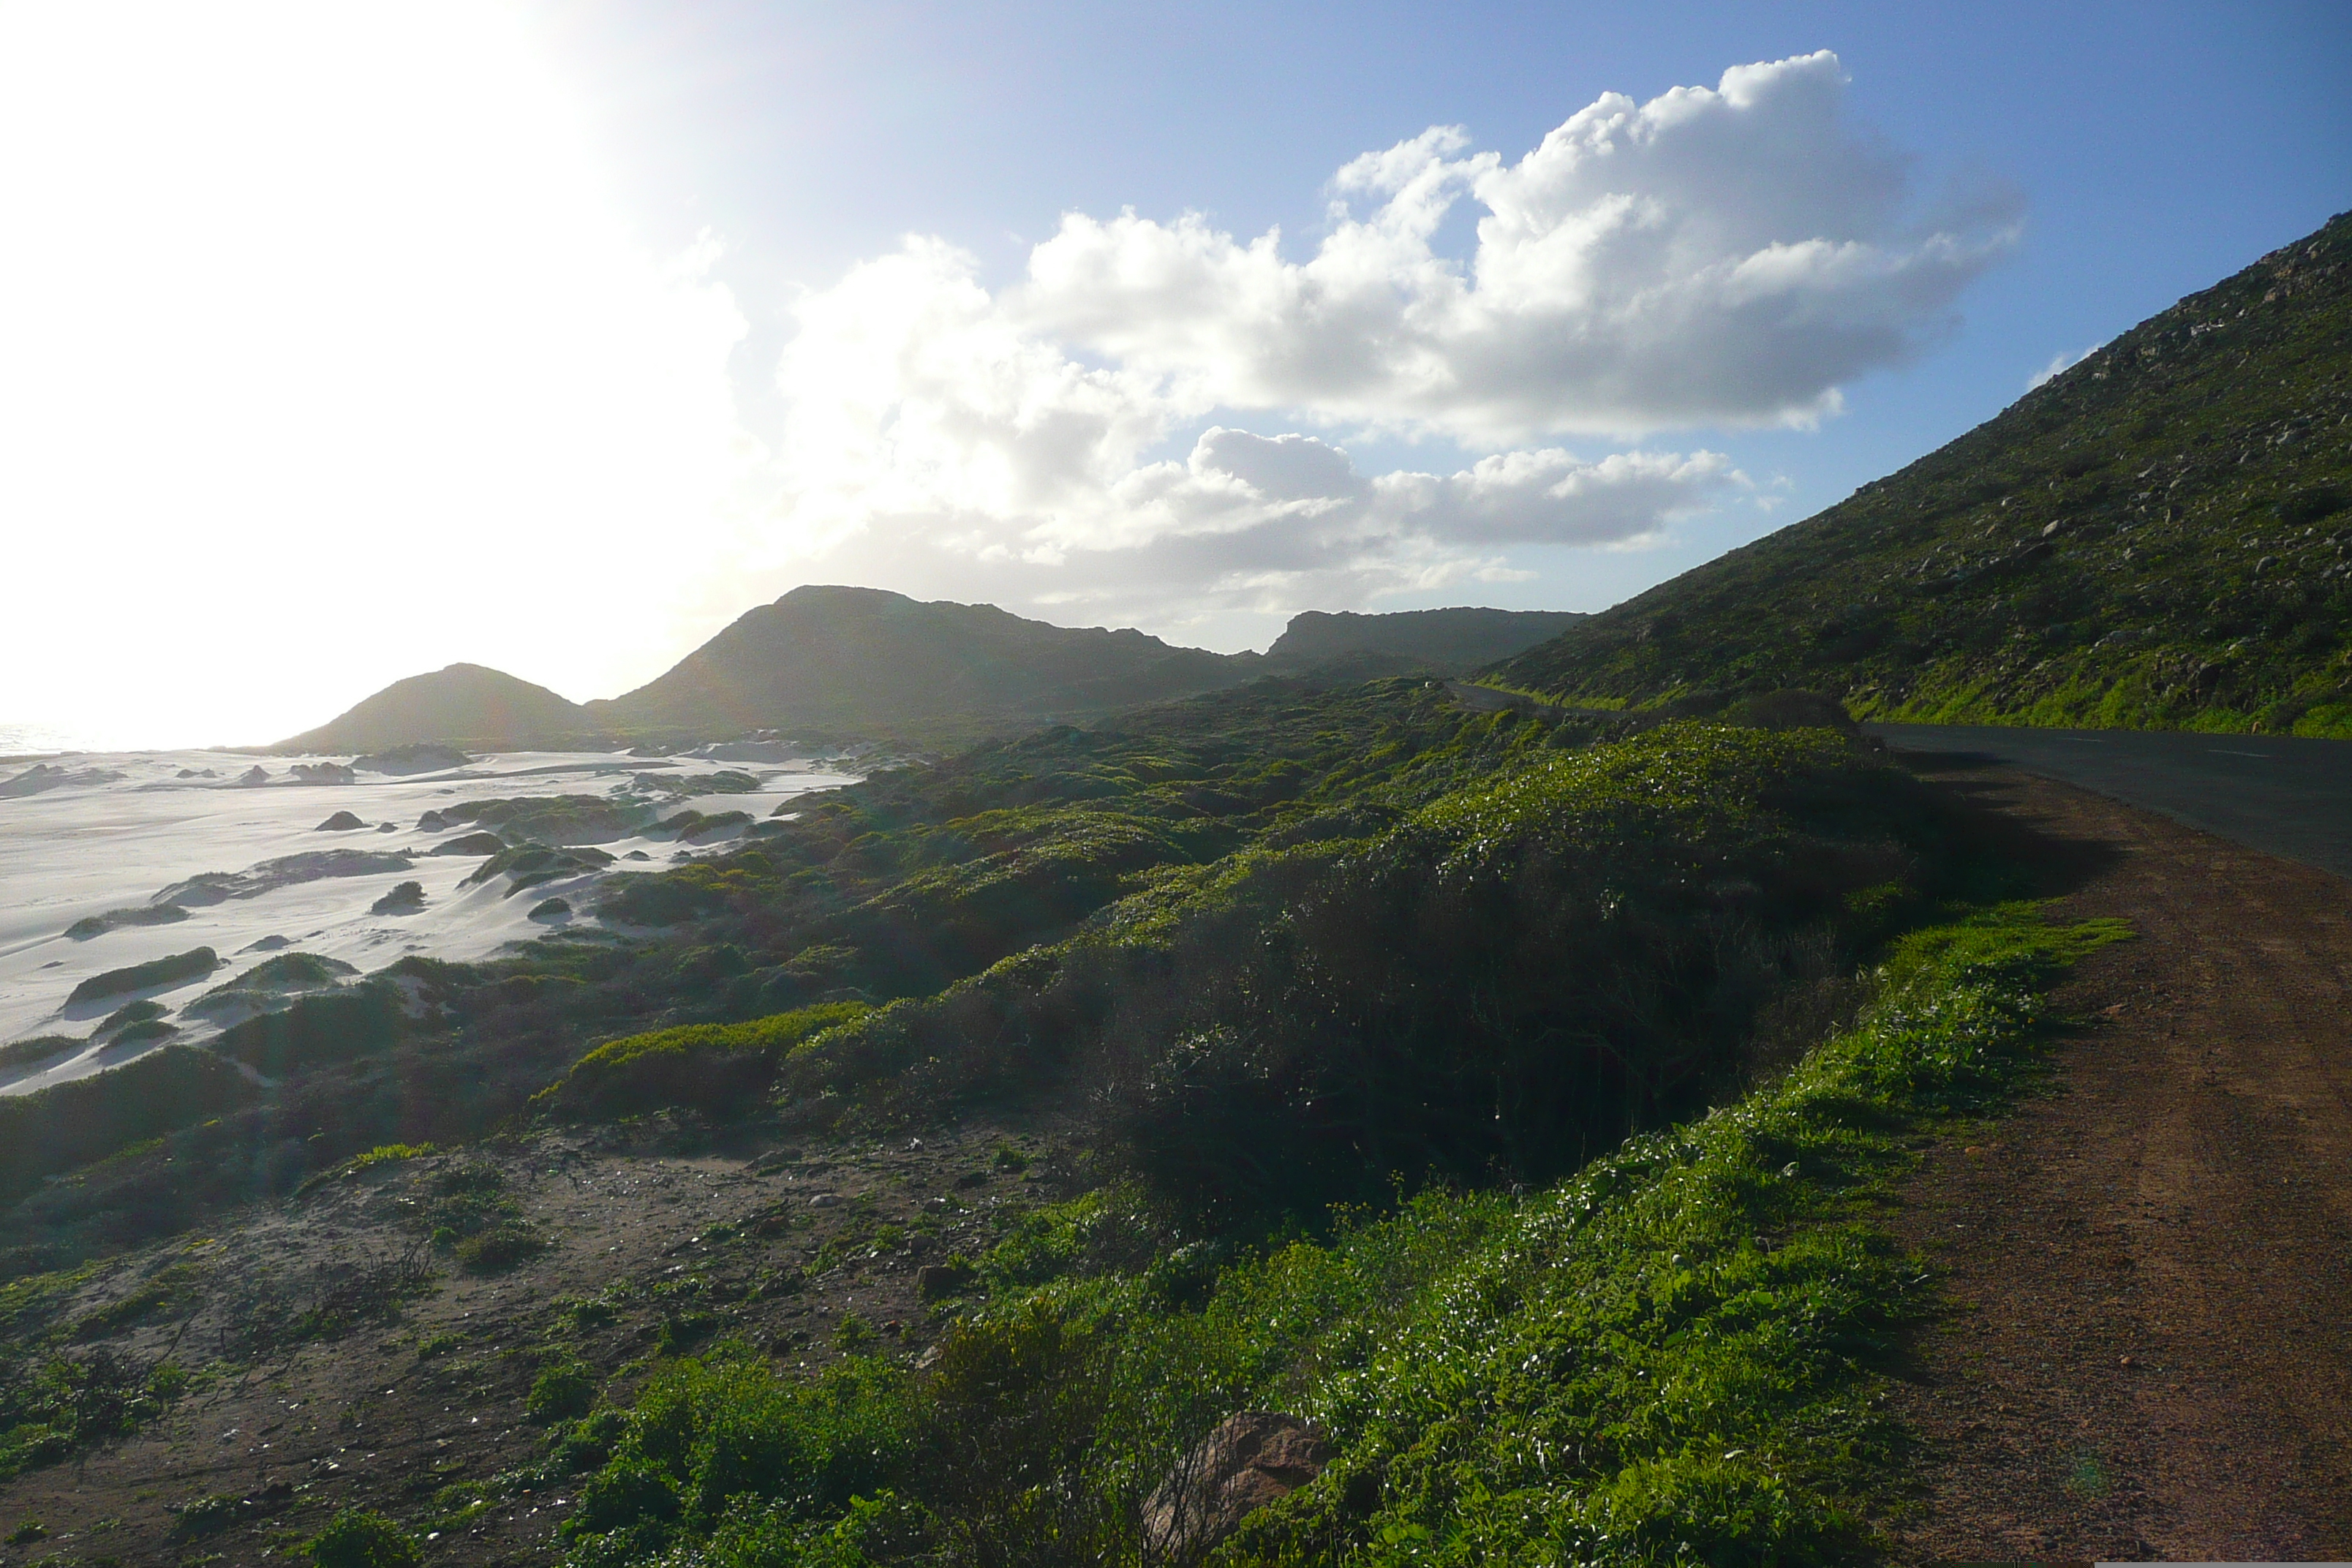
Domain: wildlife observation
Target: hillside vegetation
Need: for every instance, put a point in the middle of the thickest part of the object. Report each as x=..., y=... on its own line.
x=829, y=665
x=464, y=704
x=2159, y=537
x=860, y=662
x=1450, y=641
x=1377, y=1037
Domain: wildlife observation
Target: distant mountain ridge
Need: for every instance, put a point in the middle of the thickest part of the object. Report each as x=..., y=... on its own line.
x=864, y=661
x=463, y=704
x=2161, y=537
x=1452, y=640
x=832, y=664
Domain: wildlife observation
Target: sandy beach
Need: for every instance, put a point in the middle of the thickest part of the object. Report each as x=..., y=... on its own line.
x=83, y=835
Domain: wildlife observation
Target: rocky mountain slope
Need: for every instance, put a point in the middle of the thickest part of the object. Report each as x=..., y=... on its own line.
x=2159, y=537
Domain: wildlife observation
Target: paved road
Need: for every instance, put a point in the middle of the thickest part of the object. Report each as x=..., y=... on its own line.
x=2285, y=797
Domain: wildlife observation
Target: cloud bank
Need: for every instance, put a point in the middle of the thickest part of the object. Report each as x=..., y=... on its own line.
x=1723, y=258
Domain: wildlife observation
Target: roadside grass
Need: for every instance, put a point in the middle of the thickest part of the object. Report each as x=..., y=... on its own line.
x=1671, y=1357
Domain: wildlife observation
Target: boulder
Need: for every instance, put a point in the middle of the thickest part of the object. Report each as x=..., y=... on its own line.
x=937, y=1281
x=1253, y=1458
x=341, y=821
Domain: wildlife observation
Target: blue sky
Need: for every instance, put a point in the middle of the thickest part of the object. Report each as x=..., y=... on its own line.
x=2157, y=149
x=551, y=336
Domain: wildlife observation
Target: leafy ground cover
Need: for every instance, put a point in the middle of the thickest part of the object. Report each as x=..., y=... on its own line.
x=2159, y=538
x=1668, y=1357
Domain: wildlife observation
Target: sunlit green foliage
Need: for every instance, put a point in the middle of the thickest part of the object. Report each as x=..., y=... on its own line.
x=1503, y=983
x=1668, y=1358
x=718, y=1069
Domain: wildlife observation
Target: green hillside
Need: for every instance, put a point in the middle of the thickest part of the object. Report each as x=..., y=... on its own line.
x=466, y=704
x=2158, y=538
x=838, y=662
x=1454, y=640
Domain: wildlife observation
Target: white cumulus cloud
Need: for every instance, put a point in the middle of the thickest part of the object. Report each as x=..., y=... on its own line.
x=1717, y=256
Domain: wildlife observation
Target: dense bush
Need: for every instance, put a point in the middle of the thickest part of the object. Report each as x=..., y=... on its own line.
x=192, y=964
x=716, y=1068
x=705, y=1433
x=67, y=1124
x=318, y=1029
x=358, y=1539
x=1667, y=1359
x=1503, y=983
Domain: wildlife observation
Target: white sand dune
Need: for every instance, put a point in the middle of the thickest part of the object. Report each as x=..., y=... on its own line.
x=249, y=863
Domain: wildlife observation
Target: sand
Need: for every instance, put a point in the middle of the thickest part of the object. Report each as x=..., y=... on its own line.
x=124, y=826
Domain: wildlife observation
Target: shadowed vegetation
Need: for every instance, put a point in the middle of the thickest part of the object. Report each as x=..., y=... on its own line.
x=2160, y=538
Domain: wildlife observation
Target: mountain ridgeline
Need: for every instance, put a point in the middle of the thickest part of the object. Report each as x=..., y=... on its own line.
x=2161, y=537
x=830, y=664
x=464, y=704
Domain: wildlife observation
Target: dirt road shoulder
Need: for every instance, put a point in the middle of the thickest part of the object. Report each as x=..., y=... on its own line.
x=2149, y=1354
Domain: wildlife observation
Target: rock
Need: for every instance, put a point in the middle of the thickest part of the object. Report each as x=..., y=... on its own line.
x=1253, y=1458
x=341, y=821
x=937, y=1281
x=255, y=774
x=323, y=774
x=825, y=1201
x=387, y=827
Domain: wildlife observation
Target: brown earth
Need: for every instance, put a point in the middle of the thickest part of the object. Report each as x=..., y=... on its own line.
x=417, y=1401
x=2150, y=1351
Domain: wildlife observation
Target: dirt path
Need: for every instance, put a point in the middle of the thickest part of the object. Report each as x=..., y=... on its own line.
x=2152, y=1354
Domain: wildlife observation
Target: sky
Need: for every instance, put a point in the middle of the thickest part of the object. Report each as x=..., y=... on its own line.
x=343, y=341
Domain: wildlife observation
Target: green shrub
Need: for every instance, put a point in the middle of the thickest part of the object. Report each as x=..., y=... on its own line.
x=562, y=1393
x=587, y=1443
x=69, y=1124
x=172, y=970
x=1509, y=980
x=705, y=1433
x=501, y=1247
x=357, y=1539
x=716, y=1068
x=1667, y=1359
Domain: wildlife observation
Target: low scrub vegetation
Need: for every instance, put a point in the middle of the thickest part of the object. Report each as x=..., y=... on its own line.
x=1666, y=1357
x=2159, y=538
x=720, y=1070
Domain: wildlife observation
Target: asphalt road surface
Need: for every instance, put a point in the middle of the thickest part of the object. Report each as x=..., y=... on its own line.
x=2285, y=797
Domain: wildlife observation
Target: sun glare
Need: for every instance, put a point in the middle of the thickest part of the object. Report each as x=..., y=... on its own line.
x=318, y=338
